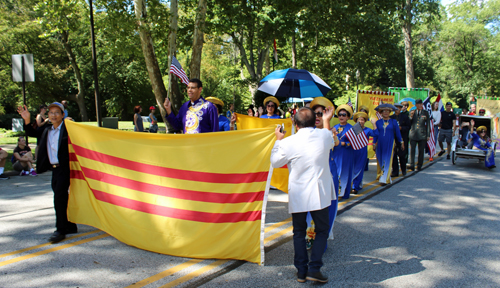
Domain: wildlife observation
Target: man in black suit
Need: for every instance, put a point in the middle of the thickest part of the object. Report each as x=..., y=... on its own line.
x=404, y=127
x=53, y=154
x=419, y=134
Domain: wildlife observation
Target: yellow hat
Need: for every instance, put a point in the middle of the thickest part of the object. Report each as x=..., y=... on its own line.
x=363, y=107
x=215, y=101
x=321, y=101
x=272, y=99
x=481, y=128
x=344, y=107
x=360, y=114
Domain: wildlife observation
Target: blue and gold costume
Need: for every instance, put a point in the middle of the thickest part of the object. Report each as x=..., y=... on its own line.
x=489, y=160
x=360, y=161
x=386, y=130
x=342, y=155
x=223, y=123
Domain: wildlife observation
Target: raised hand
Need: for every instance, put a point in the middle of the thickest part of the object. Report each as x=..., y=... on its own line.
x=233, y=118
x=328, y=113
x=168, y=105
x=279, y=135
x=25, y=114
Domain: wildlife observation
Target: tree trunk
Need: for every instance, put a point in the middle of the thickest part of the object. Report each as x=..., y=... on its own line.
x=268, y=61
x=410, y=75
x=78, y=98
x=199, y=27
x=294, y=52
x=150, y=56
x=173, y=89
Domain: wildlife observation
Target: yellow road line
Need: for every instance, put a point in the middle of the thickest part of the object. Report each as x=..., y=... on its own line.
x=46, y=244
x=165, y=273
x=43, y=252
x=278, y=234
x=195, y=273
x=276, y=225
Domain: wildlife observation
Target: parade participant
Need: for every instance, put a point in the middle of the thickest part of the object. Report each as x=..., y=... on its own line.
x=250, y=111
x=405, y=111
x=65, y=104
x=311, y=188
x=319, y=106
x=230, y=112
x=383, y=142
x=224, y=123
x=436, y=119
x=361, y=155
x=419, y=134
x=54, y=155
x=400, y=155
x=448, y=126
x=260, y=111
x=153, y=126
x=482, y=112
x=481, y=141
x=343, y=154
x=138, y=126
x=23, y=158
x=3, y=158
x=472, y=109
x=196, y=115
x=271, y=104
x=41, y=119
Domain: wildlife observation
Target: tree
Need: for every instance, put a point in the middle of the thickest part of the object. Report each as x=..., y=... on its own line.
x=199, y=27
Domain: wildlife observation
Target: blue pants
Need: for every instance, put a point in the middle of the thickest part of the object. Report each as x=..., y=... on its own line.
x=301, y=259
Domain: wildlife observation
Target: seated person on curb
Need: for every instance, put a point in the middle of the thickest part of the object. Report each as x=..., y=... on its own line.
x=311, y=187
x=3, y=159
x=23, y=158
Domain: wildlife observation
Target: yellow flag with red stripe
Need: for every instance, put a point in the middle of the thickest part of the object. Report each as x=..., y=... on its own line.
x=243, y=122
x=197, y=196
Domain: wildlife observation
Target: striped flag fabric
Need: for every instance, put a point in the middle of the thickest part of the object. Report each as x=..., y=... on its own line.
x=196, y=196
x=275, y=52
x=279, y=179
x=379, y=116
x=349, y=102
x=177, y=70
x=431, y=143
x=357, y=137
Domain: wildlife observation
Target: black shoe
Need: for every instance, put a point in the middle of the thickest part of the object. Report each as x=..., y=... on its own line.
x=4, y=177
x=57, y=237
x=354, y=191
x=441, y=153
x=394, y=175
x=448, y=157
x=71, y=231
x=301, y=278
x=410, y=168
x=404, y=173
x=318, y=277
x=491, y=167
x=419, y=168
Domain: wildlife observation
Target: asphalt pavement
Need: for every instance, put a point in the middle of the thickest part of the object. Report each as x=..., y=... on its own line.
x=439, y=227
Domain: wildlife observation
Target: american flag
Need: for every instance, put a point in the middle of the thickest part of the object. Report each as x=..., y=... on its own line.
x=349, y=103
x=357, y=137
x=176, y=68
x=379, y=116
x=431, y=144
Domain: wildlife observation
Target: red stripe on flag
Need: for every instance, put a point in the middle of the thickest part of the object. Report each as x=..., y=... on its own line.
x=210, y=197
x=357, y=141
x=175, y=213
x=170, y=172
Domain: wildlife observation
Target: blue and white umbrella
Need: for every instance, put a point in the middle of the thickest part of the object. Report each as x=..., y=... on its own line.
x=296, y=83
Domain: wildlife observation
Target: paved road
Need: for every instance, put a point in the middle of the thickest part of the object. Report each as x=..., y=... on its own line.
x=435, y=228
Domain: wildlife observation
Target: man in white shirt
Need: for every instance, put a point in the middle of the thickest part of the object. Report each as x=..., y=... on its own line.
x=310, y=187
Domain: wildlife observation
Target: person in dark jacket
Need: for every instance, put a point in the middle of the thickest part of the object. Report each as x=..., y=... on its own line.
x=419, y=134
x=400, y=154
x=54, y=155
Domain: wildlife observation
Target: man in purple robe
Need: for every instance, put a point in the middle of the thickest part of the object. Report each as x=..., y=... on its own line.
x=195, y=116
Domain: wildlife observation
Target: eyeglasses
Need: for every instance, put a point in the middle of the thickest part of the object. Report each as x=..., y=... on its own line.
x=319, y=114
x=54, y=113
x=406, y=105
x=482, y=131
x=342, y=115
x=270, y=105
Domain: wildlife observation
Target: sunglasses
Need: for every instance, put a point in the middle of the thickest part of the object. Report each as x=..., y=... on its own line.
x=270, y=105
x=406, y=105
x=482, y=131
x=342, y=115
x=319, y=114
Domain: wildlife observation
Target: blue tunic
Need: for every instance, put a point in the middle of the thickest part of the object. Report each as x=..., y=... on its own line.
x=198, y=117
x=385, y=147
x=223, y=123
x=485, y=146
x=275, y=116
x=342, y=155
x=138, y=123
x=360, y=159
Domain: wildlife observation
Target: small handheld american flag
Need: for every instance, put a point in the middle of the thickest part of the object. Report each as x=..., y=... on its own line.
x=349, y=102
x=379, y=116
x=176, y=68
x=357, y=137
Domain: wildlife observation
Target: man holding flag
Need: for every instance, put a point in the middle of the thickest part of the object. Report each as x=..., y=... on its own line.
x=447, y=129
